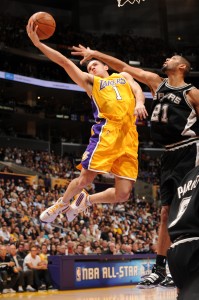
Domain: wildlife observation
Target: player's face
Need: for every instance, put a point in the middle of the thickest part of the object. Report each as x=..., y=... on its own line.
x=171, y=64
x=96, y=68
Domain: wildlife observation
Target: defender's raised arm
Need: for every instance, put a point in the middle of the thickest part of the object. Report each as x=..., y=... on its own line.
x=149, y=78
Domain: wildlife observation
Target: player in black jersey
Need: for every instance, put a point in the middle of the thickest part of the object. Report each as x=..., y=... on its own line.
x=174, y=125
x=183, y=226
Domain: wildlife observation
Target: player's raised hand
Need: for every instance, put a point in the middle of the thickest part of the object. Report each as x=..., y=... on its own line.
x=32, y=32
x=140, y=111
x=80, y=50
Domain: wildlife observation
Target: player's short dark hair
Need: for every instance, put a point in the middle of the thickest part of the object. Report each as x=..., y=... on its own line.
x=187, y=63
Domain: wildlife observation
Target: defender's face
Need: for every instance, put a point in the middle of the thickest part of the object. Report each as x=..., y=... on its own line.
x=96, y=68
x=171, y=63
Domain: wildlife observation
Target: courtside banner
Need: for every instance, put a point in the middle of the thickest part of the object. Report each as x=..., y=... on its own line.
x=111, y=273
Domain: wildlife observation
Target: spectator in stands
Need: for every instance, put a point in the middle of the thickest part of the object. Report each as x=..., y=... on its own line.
x=105, y=233
x=84, y=236
x=53, y=249
x=26, y=247
x=129, y=249
x=88, y=249
x=8, y=272
x=111, y=249
x=25, y=280
x=41, y=275
x=98, y=250
x=20, y=251
x=79, y=250
x=41, y=182
x=5, y=234
x=47, y=182
x=70, y=246
x=62, y=250
x=44, y=253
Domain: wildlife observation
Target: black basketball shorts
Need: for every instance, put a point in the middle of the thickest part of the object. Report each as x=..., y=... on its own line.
x=184, y=267
x=176, y=162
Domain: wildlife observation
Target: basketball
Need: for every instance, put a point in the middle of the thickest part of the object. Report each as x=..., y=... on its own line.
x=46, y=24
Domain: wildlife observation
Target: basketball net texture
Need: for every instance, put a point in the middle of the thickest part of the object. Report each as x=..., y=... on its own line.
x=130, y=1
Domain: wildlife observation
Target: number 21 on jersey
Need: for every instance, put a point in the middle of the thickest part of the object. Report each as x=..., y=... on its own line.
x=160, y=113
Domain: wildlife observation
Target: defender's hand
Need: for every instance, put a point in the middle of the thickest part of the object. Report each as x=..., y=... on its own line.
x=87, y=53
x=140, y=111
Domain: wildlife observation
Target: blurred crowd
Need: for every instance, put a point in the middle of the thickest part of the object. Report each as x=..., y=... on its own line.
x=48, y=164
x=41, y=162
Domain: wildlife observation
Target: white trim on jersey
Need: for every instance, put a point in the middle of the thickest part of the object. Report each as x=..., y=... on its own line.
x=181, y=144
x=184, y=241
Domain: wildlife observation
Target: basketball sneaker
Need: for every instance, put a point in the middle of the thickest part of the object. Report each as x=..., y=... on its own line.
x=167, y=282
x=150, y=281
x=51, y=213
x=78, y=205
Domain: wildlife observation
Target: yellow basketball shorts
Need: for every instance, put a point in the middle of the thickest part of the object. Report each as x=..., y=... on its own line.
x=112, y=150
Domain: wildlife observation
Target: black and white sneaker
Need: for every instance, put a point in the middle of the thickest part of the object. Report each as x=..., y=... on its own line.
x=167, y=282
x=151, y=281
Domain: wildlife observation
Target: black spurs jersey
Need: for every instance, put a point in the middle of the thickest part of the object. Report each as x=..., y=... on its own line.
x=173, y=118
x=184, y=211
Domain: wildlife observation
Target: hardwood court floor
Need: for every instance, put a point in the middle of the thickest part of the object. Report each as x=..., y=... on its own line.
x=113, y=293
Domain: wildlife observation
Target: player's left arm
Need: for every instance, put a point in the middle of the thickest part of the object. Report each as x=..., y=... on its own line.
x=140, y=109
x=193, y=97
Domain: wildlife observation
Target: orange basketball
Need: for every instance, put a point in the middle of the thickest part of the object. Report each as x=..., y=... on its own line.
x=46, y=24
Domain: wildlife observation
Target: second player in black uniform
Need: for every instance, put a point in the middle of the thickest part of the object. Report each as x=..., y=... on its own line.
x=183, y=229
x=174, y=125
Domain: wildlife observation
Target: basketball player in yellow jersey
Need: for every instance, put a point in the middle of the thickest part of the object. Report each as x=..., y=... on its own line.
x=114, y=142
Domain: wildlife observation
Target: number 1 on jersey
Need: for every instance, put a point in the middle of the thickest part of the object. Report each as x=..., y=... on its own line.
x=118, y=97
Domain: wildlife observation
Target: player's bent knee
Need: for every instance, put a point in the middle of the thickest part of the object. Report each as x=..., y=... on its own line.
x=122, y=196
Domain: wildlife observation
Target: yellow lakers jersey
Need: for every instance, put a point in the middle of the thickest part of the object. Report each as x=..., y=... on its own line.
x=113, y=99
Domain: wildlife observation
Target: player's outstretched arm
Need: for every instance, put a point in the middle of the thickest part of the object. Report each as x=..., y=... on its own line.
x=81, y=78
x=140, y=109
x=149, y=78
